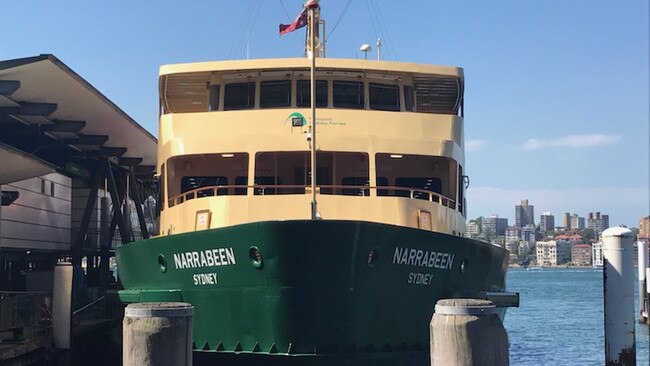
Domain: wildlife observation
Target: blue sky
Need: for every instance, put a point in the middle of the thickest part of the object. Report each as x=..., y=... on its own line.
x=557, y=93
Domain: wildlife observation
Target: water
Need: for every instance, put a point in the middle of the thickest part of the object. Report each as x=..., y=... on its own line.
x=560, y=318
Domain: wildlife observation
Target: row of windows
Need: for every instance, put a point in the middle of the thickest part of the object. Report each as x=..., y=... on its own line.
x=345, y=94
x=340, y=173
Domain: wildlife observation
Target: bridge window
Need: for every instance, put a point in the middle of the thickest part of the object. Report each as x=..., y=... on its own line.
x=303, y=92
x=239, y=96
x=417, y=176
x=348, y=94
x=204, y=175
x=276, y=93
x=384, y=97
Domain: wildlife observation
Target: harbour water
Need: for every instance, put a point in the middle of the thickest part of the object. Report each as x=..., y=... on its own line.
x=560, y=319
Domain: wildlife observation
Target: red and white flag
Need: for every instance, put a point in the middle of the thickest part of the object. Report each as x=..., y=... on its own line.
x=301, y=19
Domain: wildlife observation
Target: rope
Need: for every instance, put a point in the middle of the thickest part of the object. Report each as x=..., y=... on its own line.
x=345, y=9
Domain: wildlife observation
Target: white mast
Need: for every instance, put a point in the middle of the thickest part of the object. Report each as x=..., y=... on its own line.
x=313, y=28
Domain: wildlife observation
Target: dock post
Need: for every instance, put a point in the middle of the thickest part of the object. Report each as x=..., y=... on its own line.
x=642, y=249
x=62, y=305
x=618, y=288
x=467, y=332
x=157, y=334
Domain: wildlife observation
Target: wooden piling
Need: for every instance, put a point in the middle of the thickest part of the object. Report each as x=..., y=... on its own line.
x=157, y=334
x=467, y=332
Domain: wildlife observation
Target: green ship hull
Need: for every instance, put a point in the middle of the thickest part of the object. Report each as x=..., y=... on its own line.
x=310, y=289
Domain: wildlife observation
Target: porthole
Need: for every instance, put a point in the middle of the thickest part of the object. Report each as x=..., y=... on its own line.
x=162, y=262
x=255, y=255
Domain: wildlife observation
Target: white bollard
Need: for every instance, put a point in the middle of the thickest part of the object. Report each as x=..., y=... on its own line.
x=642, y=249
x=157, y=334
x=62, y=305
x=618, y=282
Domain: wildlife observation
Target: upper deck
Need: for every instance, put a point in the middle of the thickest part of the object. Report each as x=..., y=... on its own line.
x=234, y=140
x=196, y=87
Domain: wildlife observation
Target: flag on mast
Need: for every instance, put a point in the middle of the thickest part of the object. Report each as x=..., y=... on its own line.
x=300, y=21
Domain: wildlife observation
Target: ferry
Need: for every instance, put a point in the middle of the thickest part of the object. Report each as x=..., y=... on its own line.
x=285, y=263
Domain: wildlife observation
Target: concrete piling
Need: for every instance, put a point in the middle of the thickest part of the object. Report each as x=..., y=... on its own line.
x=618, y=285
x=157, y=334
x=466, y=332
x=642, y=249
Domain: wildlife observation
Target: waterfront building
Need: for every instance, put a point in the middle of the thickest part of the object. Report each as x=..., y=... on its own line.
x=581, y=255
x=577, y=222
x=597, y=222
x=513, y=247
x=494, y=225
x=513, y=233
x=528, y=233
x=566, y=221
x=553, y=252
x=597, y=254
x=524, y=214
x=644, y=228
x=472, y=229
x=546, y=222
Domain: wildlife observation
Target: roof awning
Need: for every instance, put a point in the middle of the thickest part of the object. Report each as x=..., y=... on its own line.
x=17, y=166
x=51, y=113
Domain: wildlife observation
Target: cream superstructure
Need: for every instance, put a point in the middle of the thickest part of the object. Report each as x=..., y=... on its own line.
x=234, y=143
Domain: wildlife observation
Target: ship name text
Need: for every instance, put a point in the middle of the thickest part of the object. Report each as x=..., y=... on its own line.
x=205, y=258
x=423, y=258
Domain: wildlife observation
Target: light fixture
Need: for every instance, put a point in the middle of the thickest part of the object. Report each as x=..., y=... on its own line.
x=396, y=156
x=365, y=48
x=227, y=155
x=297, y=122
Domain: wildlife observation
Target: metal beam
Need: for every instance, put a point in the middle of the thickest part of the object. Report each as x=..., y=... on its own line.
x=64, y=126
x=117, y=200
x=87, y=140
x=8, y=87
x=143, y=169
x=129, y=161
x=98, y=176
x=32, y=109
x=109, y=151
x=135, y=194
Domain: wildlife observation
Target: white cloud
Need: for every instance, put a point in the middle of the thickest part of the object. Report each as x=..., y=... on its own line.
x=623, y=205
x=573, y=141
x=473, y=145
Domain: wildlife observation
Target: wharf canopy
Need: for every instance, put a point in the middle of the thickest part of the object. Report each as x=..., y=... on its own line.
x=50, y=112
x=60, y=141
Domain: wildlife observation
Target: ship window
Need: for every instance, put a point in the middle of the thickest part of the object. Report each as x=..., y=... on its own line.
x=348, y=94
x=239, y=96
x=196, y=182
x=384, y=97
x=161, y=193
x=409, y=98
x=289, y=173
x=417, y=175
x=214, y=97
x=276, y=93
x=303, y=92
x=281, y=172
x=206, y=173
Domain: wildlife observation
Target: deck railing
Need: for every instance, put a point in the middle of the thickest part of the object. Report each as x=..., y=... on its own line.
x=344, y=190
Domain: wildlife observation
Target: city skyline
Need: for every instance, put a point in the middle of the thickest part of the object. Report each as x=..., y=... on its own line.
x=556, y=104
